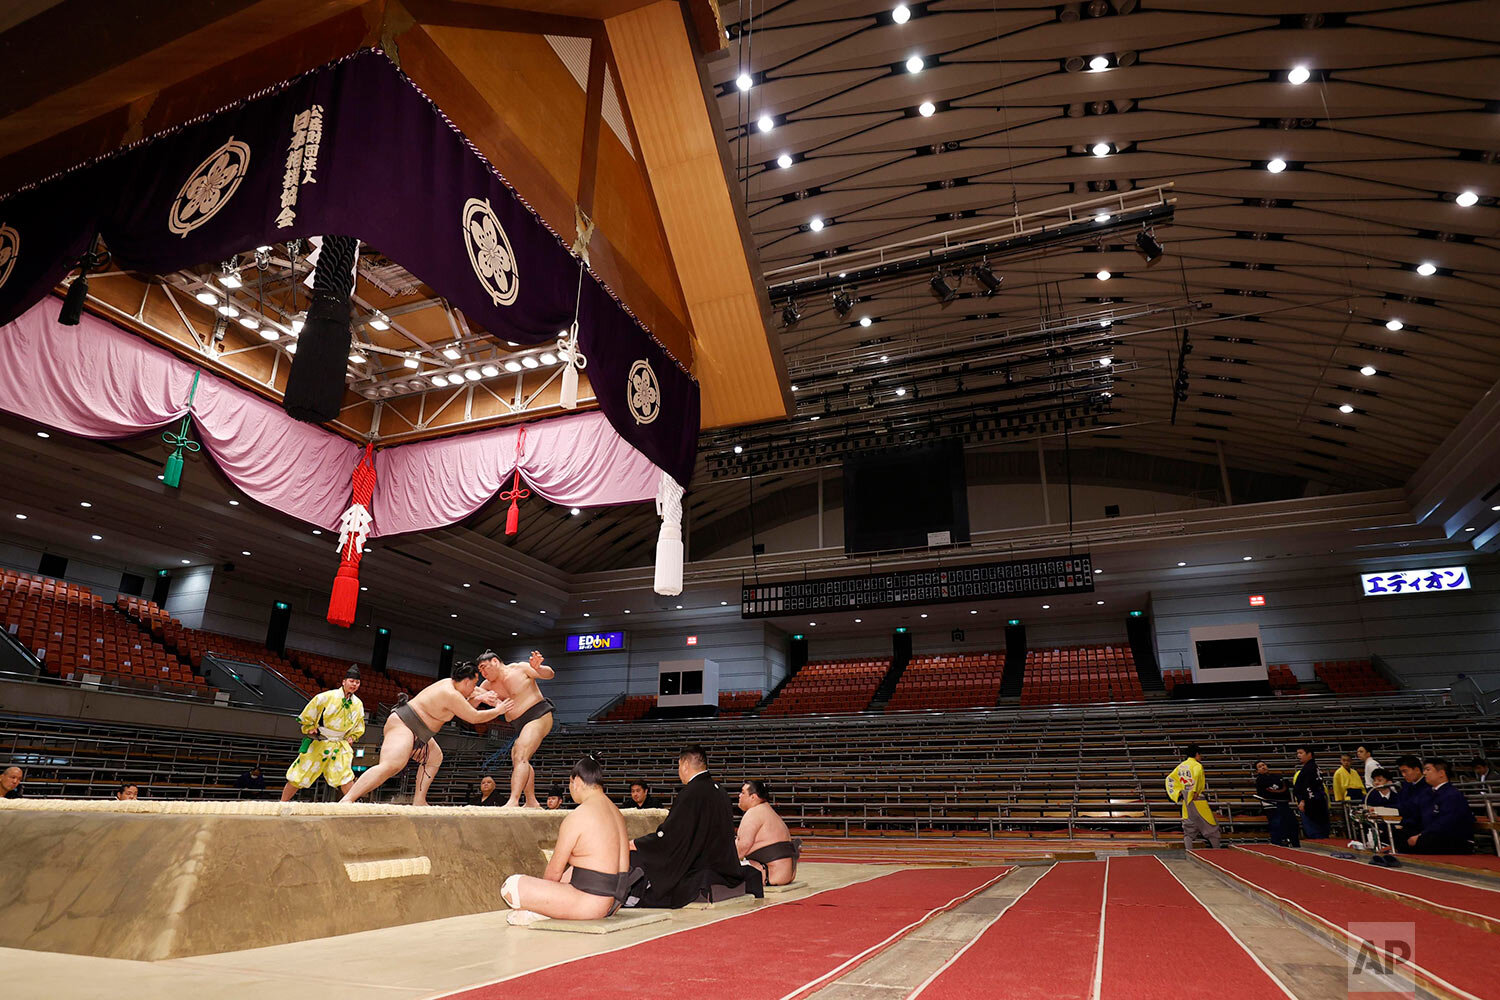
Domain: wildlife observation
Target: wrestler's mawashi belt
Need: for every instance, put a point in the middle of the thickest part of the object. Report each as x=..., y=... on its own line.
x=541, y=708
x=616, y=887
x=420, y=733
x=779, y=851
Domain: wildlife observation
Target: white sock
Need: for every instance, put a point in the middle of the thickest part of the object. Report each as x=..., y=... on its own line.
x=521, y=918
x=510, y=891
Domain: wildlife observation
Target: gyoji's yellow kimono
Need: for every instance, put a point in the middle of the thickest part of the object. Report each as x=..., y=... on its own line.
x=1188, y=777
x=1347, y=781
x=328, y=720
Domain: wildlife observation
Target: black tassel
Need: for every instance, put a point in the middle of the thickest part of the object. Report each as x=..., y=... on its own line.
x=78, y=291
x=315, y=387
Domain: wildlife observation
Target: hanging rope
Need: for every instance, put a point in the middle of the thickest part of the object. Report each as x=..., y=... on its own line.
x=517, y=492
x=172, y=473
x=567, y=351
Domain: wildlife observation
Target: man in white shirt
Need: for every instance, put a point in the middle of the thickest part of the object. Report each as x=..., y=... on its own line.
x=1368, y=759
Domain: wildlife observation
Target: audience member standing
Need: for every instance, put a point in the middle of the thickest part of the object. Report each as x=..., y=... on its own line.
x=1348, y=785
x=1367, y=758
x=1275, y=791
x=1310, y=795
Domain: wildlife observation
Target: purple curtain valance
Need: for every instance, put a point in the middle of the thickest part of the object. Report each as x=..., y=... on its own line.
x=353, y=148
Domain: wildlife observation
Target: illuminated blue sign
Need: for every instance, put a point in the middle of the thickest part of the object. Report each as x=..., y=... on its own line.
x=594, y=642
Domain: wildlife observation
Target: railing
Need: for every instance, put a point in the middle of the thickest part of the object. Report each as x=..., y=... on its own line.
x=116, y=684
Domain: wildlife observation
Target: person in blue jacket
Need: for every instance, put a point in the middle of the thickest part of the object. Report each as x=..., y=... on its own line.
x=1411, y=798
x=1447, y=820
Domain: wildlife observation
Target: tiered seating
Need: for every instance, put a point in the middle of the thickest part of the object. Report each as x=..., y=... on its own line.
x=409, y=682
x=75, y=633
x=1080, y=675
x=630, y=708
x=193, y=644
x=737, y=703
x=1282, y=679
x=374, y=686
x=1172, y=678
x=949, y=682
x=1352, y=677
x=832, y=687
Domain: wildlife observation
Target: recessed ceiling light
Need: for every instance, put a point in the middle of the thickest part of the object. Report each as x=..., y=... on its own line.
x=585, y=614
x=1427, y=269
x=1046, y=607
x=515, y=633
x=512, y=600
x=207, y=298
x=1345, y=408
x=858, y=620
x=1276, y=166
x=1098, y=571
x=84, y=503
x=1103, y=275
x=973, y=612
x=1246, y=558
x=815, y=224
x=43, y=434
x=1496, y=507
x=20, y=517
x=1466, y=199
x=187, y=562
x=1182, y=564
x=765, y=123
x=900, y=390
x=541, y=612
x=1367, y=370
x=1099, y=63
x=784, y=160
x=815, y=416
x=1466, y=529
x=362, y=589
x=924, y=614
x=1100, y=149
x=575, y=511
x=926, y=109
x=1106, y=361
x=743, y=81
x=914, y=64
x=1298, y=75
x=1102, y=217
x=865, y=321
x=1098, y=602
x=232, y=503
x=1394, y=325
x=812, y=623
x=453, y=615
x=317, y=531
x=97, y=537
x=885, y=357
x=739, y=449
x=627, y=611
x=679, y=607
x=900, y=14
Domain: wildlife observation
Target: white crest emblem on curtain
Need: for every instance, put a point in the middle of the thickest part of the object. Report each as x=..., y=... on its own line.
x=209, y=187
x=490, y=254
x=10, y=249
x=643, y=393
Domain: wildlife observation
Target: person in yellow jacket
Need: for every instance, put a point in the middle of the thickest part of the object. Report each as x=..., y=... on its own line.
x=1186, y=784
x=1347, y=784
x=331, y=723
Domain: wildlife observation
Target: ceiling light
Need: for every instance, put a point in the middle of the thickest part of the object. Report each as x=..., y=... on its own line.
x=901, y=14
x=627, y=611
x=232, y=503
x=530, y=362
x=1182, y=564
x=1345, y=408
x=380, y=321
x=97, y=538
x=739, y=449
x=410, y=362
x=228, y=310
x=1098, y=602
x=926, y=109
x=230, y=279
x=1246, y=558
x=187, y=562
x=1466, y=529
x=1298, y=75
x=363, y=589
x=489, y=371
x=900, y=390
x=1496, y=507
x=743, y=81
x=20, y=517
x=43, y=434
x=249, y=322
x=812, y=623
x=815, y=224
x=297, y=323
x=1276, y=166
x=1046, y=607
x=1100, y=149
x=1098, y=571
x=765, y=123
x=1148, y=246
x=723, y=604
x=679, y=607
x=574, y=511
x=843, y=302
x=1103, y=275
x=1106, y=361
x=924, y=614
x=1427, y=269
x=941, y=290
x=865, y=321
x=585, y=614
x=512, y=366
x=548, y=358
x=472, y=374
x=438, y=381
x=84, y=503
x=885, y=357
x=1102, y=217
x=317, y=531
x=452, y=353
x=1099, y=63
x=914, y=64
x=858, y=620
x=1394, y=325
x=988, y=278
x=794, y=388
x=815, y=416
x=207, y=298
x=1367, y=370
x=1466, y=199
x=291, y=348
x=453, y=615
x=356, y=358
x=784, y=160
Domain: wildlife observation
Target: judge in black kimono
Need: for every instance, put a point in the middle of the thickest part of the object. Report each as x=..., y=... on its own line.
x=692, y=853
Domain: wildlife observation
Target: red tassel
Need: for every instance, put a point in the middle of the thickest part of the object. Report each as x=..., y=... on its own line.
x=516, y=493
x=513, y=518
x=345, y=597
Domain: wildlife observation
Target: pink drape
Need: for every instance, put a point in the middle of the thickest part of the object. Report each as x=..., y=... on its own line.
x=98, y=381
x=576, y=460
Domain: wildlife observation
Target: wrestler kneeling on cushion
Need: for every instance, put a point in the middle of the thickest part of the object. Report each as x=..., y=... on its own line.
x=763, y=839
x=589, y=874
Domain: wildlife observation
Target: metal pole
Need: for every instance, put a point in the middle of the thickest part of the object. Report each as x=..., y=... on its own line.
x=1224, y=474
x=1041, y=461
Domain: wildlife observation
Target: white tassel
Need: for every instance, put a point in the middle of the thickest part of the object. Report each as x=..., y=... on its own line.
x=669, y=541
x=567, y=351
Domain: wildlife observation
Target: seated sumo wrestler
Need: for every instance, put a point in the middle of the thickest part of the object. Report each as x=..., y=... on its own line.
x=763, y=839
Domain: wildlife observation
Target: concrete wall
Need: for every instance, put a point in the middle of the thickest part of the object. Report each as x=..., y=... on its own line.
x=1428, y=639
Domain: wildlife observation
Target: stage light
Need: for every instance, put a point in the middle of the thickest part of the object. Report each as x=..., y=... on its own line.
x=291, y=348
x=1103, y=275
x=356, y=358
x=380, y=321
x=1099, y=63
x=1101, y=149
x=1106, y=361
x=438, y=381
x=1148, y=247
x=789, y=314
x=269, y=332
x=297, y=323
x=1426, y=269
x=1102, y=217
x=988, y=278
x=865, y=321
x=1345, y=408
x=410, y=362
x=1466, y=199
x=249, y=322
x=452, y=353
x=915, y=64
x=471, y=374
x=744, y=81
x=900, y=391
x=230, y=279
x=926, y=109
x=1367, y=370
x=901, y=14
x=228, y=310
x=765, y=123
x=1276, y=166
x=843, y=302
x=815, y=224
x=548, y=358
x=784, y=160
x=1298, y=75
x=574, y=511
x=489, y=371
x=1394, y=325
x=512, y=366
x=530, y=362
x=207, y=298
x=941, y=290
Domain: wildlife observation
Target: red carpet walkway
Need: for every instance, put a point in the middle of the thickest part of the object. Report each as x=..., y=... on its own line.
x=1464, y=959
x=1433, y=889
x=775, y=952
x=1047, y=944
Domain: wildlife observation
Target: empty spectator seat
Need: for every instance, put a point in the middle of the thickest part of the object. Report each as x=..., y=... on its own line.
x=830, y=687
x=1080, y=675
x=949, y=681
x=1352, y=677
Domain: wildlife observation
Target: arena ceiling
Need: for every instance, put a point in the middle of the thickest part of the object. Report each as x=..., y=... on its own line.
x=1320, y=347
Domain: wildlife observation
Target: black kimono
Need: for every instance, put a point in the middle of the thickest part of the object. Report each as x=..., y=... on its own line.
x=693, y=848
x=1307, y=787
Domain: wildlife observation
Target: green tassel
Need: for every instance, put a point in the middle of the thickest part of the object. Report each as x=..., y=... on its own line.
x=172, y=474
x=306, y=742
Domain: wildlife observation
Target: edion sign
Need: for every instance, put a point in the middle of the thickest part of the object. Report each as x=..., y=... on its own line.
x=593, y=642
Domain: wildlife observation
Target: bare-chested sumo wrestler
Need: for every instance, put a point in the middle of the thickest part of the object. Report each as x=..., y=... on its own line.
x=410, y=729
x=763, y=839
x=529, y=712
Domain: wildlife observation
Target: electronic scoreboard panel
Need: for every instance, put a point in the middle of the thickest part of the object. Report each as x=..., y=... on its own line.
x=984, y=582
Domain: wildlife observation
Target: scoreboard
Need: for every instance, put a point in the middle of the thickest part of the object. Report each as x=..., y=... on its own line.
x=984, y=582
